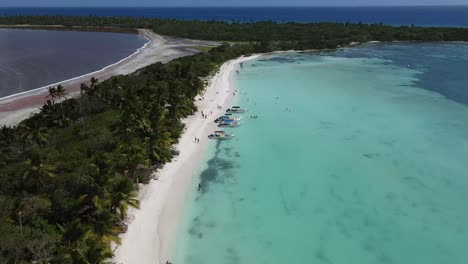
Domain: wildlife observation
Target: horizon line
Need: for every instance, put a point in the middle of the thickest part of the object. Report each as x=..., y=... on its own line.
x=241, y=6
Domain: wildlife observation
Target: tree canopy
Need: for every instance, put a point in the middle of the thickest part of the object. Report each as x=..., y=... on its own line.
x=280, y=36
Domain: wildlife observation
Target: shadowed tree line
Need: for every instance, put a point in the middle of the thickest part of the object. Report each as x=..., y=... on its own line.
x=275, y=36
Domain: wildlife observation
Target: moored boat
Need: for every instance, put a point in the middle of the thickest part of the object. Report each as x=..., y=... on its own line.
x=221, y=135
x=236, y=109
x=228, y=123
x=226, y=118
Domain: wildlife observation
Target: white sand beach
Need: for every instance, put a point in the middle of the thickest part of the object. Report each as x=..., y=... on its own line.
x=151, y=229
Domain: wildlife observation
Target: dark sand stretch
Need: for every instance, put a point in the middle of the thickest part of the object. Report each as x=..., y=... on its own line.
x=17, y=107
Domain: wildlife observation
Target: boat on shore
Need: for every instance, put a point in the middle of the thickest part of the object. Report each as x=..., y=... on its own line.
x=226, y=118
x=236, y=109
x=229, y=123
x=221, y=135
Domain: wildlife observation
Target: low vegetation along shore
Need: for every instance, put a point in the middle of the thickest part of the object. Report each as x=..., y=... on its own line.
x=70, y=173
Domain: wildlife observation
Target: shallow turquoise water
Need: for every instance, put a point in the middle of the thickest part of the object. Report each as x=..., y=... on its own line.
x=350, y=161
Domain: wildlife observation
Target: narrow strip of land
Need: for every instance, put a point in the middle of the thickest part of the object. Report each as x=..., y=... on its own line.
x=151, y=229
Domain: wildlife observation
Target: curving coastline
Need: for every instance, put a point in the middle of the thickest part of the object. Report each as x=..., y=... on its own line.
x=150, y=235
x=17, y=107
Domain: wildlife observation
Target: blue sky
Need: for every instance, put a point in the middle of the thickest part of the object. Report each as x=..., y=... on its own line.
x=228, y=2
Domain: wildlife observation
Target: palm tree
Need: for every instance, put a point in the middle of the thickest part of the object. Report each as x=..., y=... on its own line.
x=52, y=94
x=133, y=154
x=93, y=82
x=98, y=252
x=37, y=170
x=7, y=134
x=61, y=92
x=84, y=89
x=123, y=195
x=104, y=222
x=106, y=228
x=74, y=237
x=32, y=131
x=73, y=231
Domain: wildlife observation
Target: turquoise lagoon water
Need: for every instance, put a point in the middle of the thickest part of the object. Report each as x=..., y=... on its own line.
x=355, y=157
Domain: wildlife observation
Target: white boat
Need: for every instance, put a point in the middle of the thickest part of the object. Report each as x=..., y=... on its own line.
x=236, y=109
x=226, y=118
x=229, y=123
x=221, y=135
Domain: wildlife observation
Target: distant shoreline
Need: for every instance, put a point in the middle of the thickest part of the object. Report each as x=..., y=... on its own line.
x=74, y=28
x=447, y=15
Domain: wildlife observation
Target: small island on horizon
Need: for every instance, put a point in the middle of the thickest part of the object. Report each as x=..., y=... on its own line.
x=99, y=169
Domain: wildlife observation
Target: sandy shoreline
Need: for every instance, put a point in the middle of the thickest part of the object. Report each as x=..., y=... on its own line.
x=17, y=107
x=151, y=230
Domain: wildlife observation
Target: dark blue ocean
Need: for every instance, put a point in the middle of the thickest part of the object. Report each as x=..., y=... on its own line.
x=420, y=16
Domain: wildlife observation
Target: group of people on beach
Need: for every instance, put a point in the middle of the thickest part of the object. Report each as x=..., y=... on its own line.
x=197, y=140
x=205, y=115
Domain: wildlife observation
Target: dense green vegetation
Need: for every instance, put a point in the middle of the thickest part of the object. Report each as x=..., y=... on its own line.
x=275, y=36
x=69, y=173
x=202, y=48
